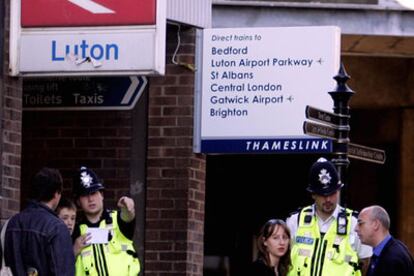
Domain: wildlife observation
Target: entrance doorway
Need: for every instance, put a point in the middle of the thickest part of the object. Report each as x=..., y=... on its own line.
x=244, y=191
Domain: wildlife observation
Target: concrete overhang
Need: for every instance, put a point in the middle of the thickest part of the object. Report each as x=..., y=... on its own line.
x=386, y=29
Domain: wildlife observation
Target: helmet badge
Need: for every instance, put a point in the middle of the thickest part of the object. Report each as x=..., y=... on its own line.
x=324, y=177
x=86, y=179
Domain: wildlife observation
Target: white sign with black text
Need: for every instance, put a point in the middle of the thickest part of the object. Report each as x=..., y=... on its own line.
x=256, y=83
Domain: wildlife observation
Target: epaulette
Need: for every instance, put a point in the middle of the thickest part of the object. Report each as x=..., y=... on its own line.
x=308, y=209
x=355, y=213
x=297, y=211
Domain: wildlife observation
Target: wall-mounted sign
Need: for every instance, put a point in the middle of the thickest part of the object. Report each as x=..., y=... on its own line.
x=85, y=37
x=69, y=13
x=82, y=93
x=256, y=83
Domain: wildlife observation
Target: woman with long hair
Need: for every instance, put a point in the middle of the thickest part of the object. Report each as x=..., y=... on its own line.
x=273, y=244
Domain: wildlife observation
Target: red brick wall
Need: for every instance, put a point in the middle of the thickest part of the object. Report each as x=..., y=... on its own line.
x=175, y=187
x=10, y=130
x=100, y=140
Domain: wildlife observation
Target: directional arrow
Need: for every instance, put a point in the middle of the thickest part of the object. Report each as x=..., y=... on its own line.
x=131, y=89
x=91, y=6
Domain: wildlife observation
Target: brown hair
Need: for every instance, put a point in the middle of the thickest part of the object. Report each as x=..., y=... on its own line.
x=65, y=203
x=265, y=232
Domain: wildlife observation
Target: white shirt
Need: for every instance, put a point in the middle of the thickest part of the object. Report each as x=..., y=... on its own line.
x=364, y=251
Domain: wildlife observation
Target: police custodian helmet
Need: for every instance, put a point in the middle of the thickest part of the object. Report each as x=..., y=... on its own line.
x=323, y=178
x=86, y=182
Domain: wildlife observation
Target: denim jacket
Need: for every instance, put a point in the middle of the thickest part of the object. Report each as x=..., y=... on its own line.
x=37, y=240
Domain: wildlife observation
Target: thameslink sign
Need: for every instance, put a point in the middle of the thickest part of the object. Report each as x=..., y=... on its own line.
x=287, y=145
x=255, y=84
x=85, y=37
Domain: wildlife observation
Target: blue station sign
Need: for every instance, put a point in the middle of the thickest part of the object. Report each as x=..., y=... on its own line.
x=82, y=93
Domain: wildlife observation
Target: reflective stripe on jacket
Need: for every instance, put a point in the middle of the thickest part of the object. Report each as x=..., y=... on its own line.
x=117, y=257
x=330, y=254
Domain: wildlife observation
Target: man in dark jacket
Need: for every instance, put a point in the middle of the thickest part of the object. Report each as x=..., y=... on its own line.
x=37, y=241
x=390, y=256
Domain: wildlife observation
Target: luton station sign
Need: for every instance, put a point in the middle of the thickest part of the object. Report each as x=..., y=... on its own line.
x=87, y=37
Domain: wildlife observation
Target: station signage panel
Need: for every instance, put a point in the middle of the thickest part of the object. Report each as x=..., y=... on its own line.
x=69, y=13
x=87, y=37
x=256, y=83
x=82, y=93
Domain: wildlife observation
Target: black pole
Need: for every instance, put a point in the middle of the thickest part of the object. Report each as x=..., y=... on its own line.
x=341, y=96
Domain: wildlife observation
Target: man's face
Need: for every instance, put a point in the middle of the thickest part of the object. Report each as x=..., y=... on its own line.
x=326, y=204
x=91, y=204
x=365, y=228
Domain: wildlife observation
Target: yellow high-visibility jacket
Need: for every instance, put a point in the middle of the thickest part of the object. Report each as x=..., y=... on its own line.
x=115, y=258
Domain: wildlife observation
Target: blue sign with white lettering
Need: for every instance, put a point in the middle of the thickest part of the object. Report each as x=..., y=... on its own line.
x=304, y=240
x=82, y=93
x=276, y=145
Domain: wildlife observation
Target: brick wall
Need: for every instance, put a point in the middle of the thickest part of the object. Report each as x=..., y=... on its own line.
x=10, y=128
x=175, y=175
x=100, y=140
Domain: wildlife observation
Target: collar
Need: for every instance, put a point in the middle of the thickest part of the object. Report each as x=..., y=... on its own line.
x=378, y=249
x=106, y=214
x=38, y=204
x=333, y=216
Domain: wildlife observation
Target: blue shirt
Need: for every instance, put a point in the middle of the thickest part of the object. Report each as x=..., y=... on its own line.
x=376, y=253
x=378, y=249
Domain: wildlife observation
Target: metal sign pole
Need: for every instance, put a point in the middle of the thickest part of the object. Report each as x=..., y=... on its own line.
x=335, y=126
x=341, y=96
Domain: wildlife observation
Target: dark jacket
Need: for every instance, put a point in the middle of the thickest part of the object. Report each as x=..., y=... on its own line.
x=395, y=259
x=37, y=238
x=259, y=268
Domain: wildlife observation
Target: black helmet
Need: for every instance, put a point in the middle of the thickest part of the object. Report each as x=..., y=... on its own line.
x=323, y=178
x=86, y=182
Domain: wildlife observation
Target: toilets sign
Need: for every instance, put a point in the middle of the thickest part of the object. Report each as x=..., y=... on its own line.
x=87, y=37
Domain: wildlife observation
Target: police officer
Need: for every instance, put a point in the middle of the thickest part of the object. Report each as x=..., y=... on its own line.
x=108, y=249
x=323, y=236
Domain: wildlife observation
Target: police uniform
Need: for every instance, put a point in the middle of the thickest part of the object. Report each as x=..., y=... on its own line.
x=116, y=257
x=325, y=247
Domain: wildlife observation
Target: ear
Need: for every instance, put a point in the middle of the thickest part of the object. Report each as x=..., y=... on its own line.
x=377, y=224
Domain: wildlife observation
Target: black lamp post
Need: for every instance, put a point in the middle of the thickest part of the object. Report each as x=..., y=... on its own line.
x=341, y=96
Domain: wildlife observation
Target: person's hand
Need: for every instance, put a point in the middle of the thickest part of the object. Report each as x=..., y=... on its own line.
x=80, y=243
x=127, y=206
